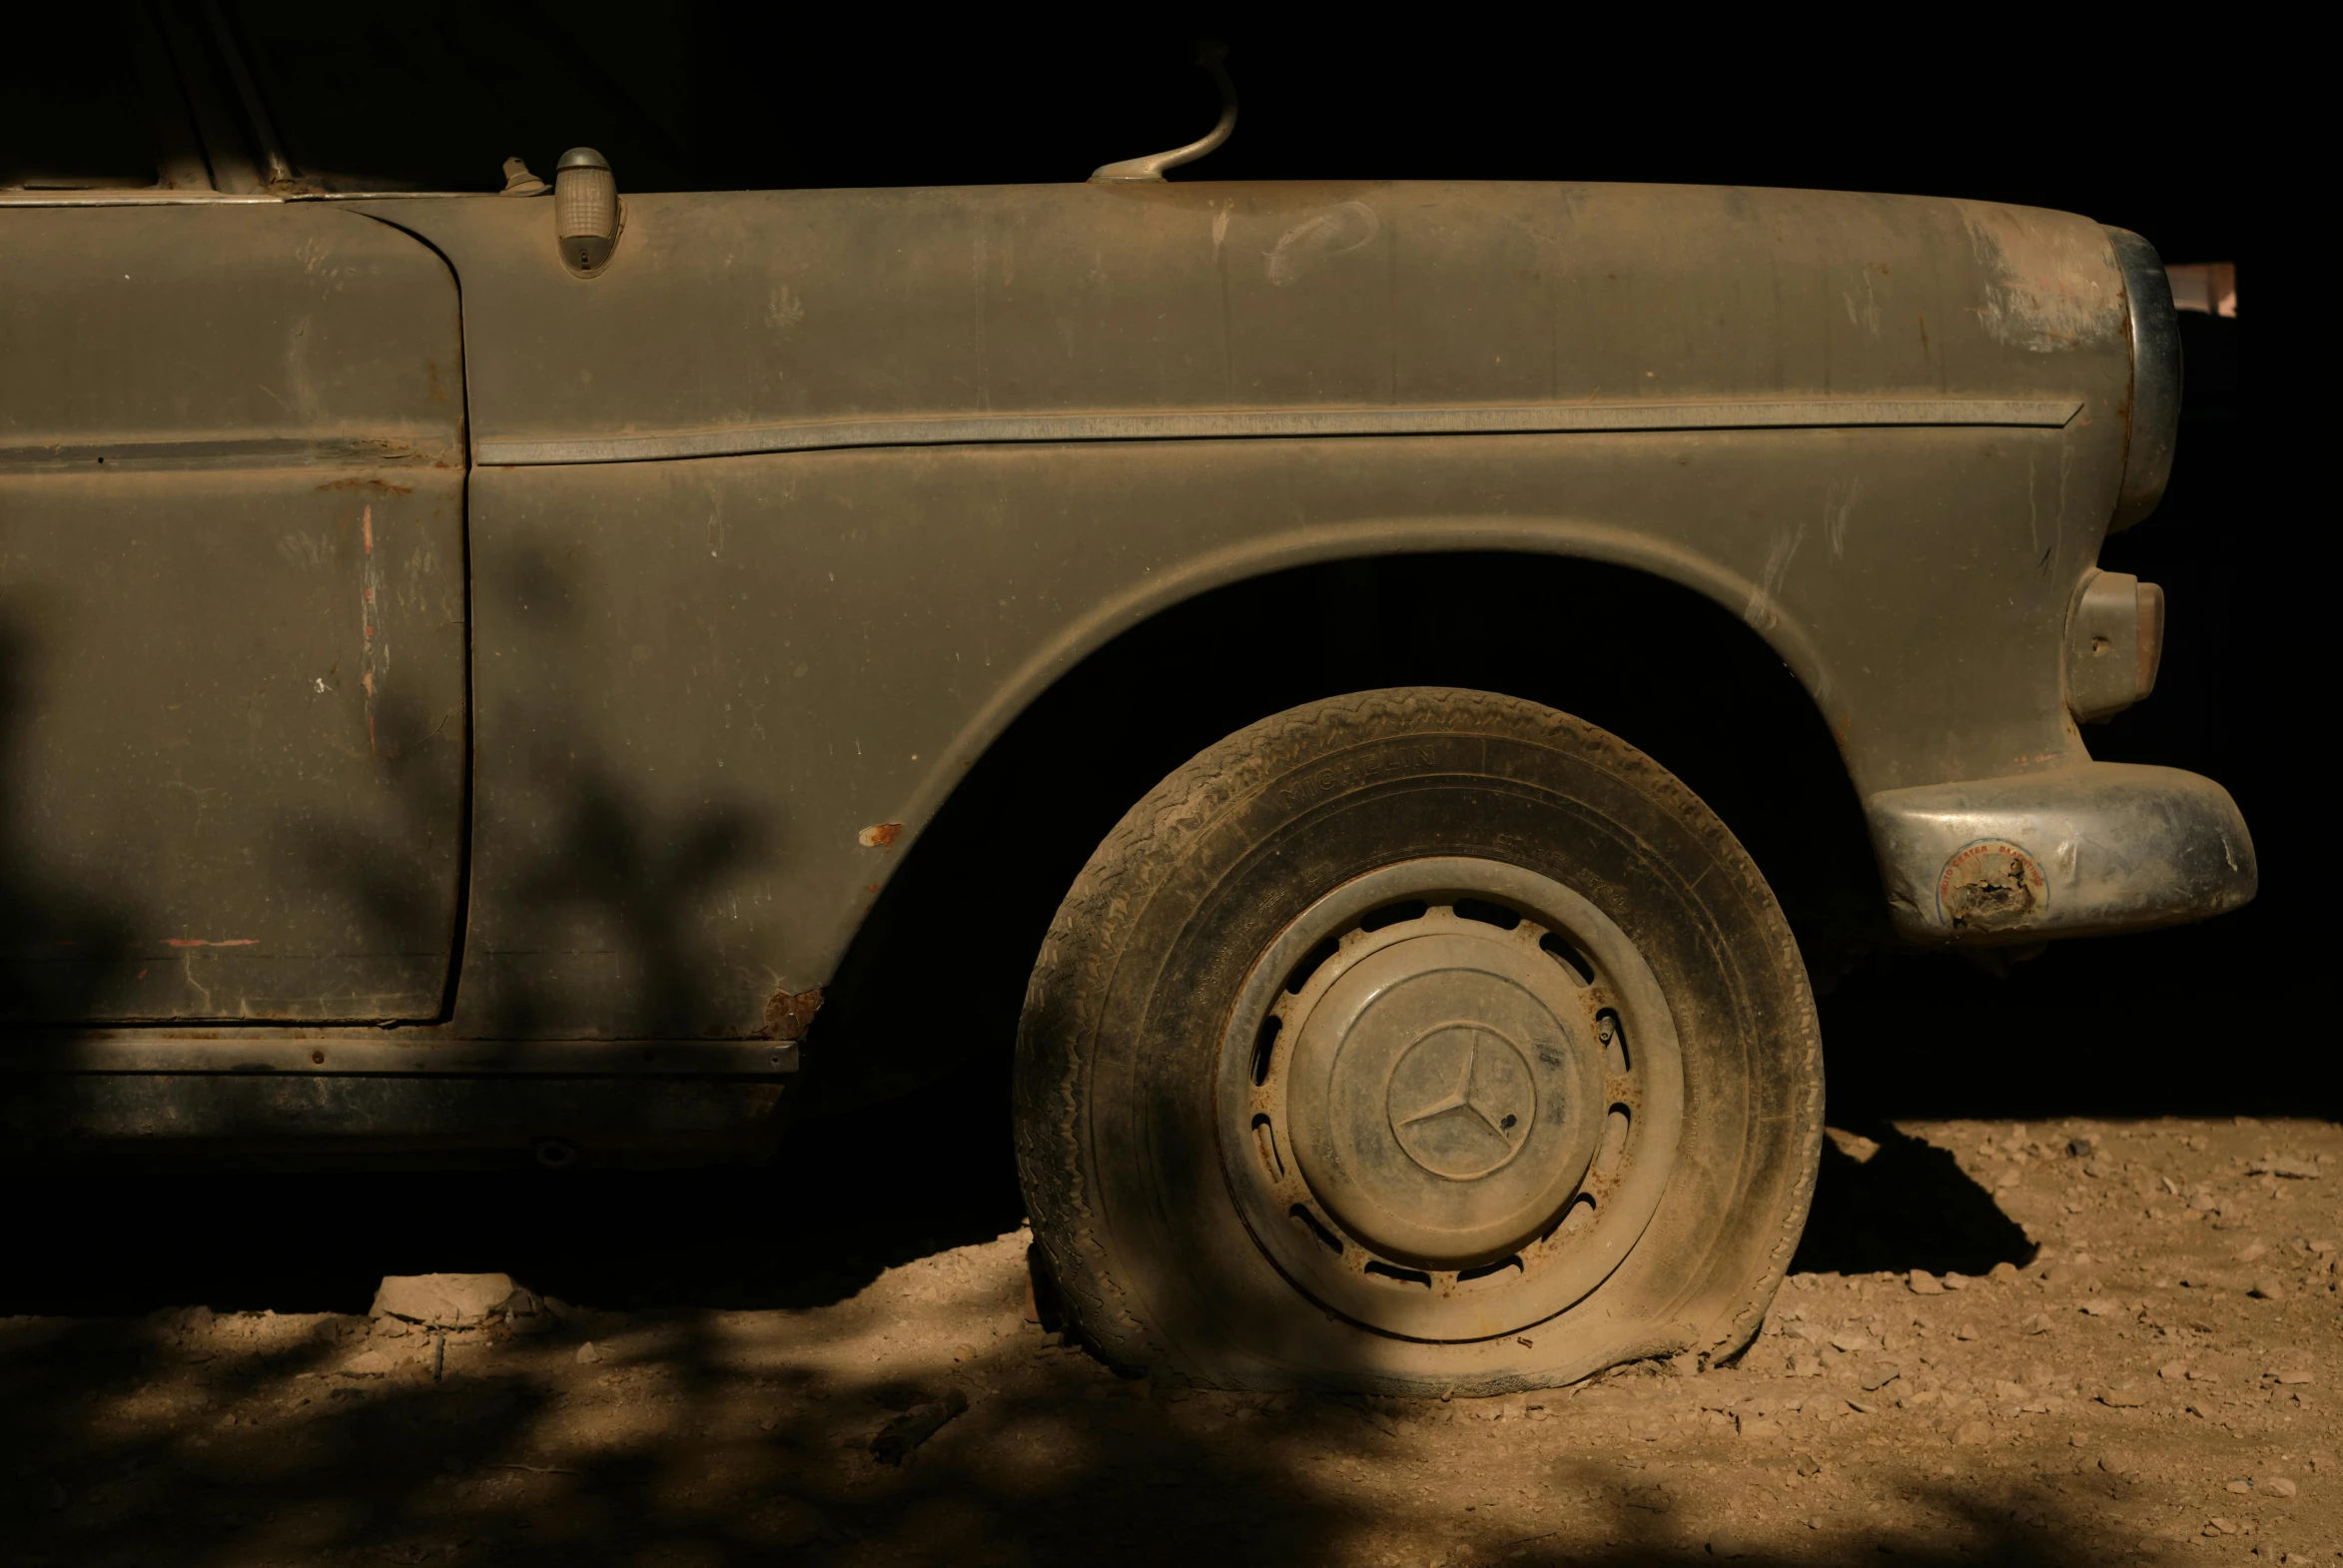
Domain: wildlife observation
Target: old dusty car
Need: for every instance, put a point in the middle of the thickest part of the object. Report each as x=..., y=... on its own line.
x=1383, y=696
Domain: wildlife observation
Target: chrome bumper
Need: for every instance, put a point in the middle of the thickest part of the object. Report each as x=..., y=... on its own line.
x=2103, y=846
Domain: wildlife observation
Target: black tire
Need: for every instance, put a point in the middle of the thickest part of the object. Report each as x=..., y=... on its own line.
x=1165, y=1214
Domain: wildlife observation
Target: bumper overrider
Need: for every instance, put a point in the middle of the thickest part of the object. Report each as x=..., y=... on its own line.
x=2097, y=847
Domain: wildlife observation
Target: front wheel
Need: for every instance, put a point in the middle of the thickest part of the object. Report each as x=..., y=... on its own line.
x=1418, y=1041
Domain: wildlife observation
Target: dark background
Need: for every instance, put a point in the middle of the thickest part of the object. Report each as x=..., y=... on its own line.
x=2226, y=1018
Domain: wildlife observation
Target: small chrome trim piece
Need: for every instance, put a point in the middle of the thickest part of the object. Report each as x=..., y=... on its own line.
x=1151, y=167
x=412, y=1057
x=275, y=169
x=1278, y=423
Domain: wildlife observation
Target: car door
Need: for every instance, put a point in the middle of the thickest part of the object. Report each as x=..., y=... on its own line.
x=234, y=742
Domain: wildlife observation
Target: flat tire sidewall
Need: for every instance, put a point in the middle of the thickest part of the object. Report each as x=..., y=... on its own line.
x=1119, y=1053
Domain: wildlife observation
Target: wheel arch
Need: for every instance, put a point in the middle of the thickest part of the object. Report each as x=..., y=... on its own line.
x=1194, y=577
x=1675, y=653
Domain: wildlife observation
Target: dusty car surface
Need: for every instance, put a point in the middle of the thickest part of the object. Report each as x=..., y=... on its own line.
x=580, y=670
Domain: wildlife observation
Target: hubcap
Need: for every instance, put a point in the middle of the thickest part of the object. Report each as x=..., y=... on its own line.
x=1449, y=1099
x=1461, y=1102
x=1444, y=1099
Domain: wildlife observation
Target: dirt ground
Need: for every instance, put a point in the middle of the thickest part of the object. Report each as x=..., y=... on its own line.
x=2147, y=1373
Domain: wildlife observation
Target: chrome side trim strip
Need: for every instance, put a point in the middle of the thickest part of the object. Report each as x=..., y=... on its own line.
x=431, y=448
x=156, y=196
x=412, y=1057
x=140, y=198
x=1276, y=423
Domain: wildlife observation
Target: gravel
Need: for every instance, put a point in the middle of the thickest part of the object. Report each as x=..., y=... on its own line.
x=2082, y=1405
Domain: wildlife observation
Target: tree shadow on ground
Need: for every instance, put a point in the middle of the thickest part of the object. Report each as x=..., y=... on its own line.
x=134, y=1440
x=144, y=1445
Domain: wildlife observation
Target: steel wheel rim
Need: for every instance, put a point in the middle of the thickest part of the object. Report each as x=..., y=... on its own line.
x=1441, y=1126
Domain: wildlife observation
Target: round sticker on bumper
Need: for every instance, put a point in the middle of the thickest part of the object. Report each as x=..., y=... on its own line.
x=1991, y=885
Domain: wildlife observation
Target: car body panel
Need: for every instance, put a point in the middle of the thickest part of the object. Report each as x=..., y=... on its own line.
x=778, y=520
x=805, y=610
x=232, y=588
x=738, y=309
x=775, y=655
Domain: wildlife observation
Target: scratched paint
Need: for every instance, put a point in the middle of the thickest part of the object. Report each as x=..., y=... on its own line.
x=1317, y=239
x=783, y=309
x=2047, y=284
x=1761, y=610
x=1838, y=506
x=374, y=648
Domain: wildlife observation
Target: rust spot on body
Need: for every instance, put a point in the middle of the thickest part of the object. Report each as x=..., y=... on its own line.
x=880, y=835
x=789, y=1013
